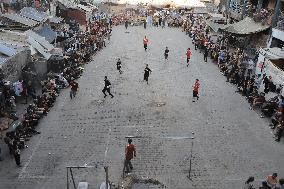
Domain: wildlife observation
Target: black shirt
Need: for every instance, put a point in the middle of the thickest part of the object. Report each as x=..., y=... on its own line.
x=147, y=71
x=107, y=83
x=167, y=52
x=118, y=64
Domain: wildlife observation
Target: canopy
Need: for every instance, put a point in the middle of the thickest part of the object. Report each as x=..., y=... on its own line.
x=245, y=27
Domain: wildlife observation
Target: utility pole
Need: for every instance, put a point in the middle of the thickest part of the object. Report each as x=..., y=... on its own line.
x=190, y=160
x=106, y=170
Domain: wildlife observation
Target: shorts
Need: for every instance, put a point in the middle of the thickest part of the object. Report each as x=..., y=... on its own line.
x=146, y=77
x=187, y=60
x=195, y=93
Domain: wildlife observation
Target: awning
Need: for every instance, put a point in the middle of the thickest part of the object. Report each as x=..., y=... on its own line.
x=20, y=19
x=245, y=27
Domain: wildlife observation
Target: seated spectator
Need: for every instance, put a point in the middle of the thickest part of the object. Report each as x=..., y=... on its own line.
x=271, y=181
x=279, y=131
x=258, y=101
x=248, y=183
x=281, y=183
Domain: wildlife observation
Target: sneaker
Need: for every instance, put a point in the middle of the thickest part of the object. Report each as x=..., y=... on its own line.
x=105, y=96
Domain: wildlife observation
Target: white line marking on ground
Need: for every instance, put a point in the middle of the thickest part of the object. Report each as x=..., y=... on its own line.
x=23, y=171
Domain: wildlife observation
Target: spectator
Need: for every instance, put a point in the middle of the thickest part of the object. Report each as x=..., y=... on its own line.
x=271, y=181
x=130, y=151
x=248, y=183
x=281, y=183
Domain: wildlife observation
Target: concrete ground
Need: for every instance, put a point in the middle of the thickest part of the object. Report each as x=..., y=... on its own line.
x=231, y=141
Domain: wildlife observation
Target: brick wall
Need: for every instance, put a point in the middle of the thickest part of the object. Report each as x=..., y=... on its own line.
x=77, y=15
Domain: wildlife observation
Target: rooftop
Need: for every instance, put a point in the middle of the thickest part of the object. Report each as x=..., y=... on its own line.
x=11, y=43
x=33, y=14
x=18, y=18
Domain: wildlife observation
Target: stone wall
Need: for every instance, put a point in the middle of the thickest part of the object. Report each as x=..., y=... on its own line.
x=41, y=68
x=12, y=68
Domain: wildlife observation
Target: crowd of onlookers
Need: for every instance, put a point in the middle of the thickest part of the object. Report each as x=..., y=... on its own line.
x=237, y=66
x=271, y=182
x=77, y=51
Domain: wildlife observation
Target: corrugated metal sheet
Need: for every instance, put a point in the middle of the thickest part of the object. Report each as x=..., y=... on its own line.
x=215, y=26
x=245, y=27
x=20, y=19
x=39, y=48
x=48, y=33
x=33, y=14
x=7, y=50
x=41, y=40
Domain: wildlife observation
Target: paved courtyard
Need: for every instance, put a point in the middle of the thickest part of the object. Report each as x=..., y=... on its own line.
x=231, y=141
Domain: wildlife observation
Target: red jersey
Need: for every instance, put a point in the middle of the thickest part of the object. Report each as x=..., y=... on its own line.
x=130, y=151
x=196, y=86
x=188, y=53
x=74, y=86
x=145, y=41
